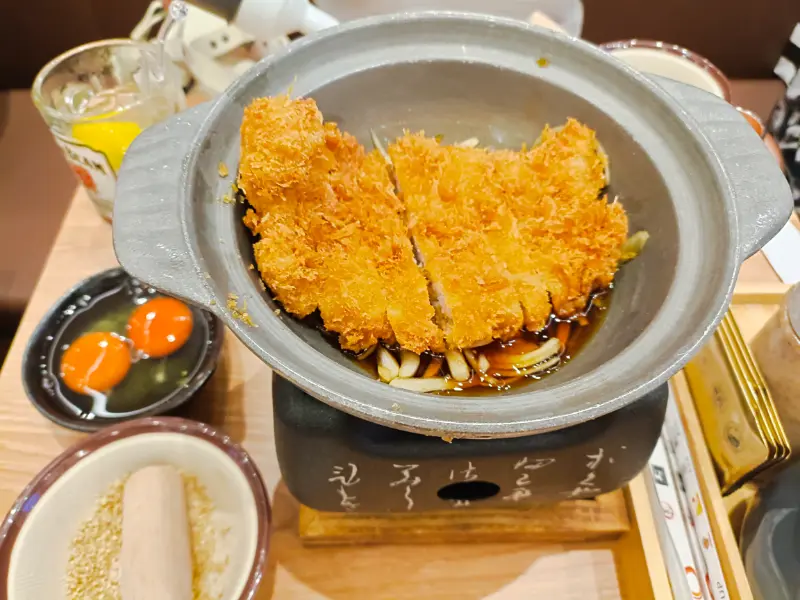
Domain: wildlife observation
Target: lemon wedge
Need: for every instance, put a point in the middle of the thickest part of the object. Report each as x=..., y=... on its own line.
x=112, y=138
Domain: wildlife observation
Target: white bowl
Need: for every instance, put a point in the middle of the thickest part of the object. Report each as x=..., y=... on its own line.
x=36, y=536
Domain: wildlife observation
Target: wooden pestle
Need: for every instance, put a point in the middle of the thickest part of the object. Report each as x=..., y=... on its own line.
x=156, y=559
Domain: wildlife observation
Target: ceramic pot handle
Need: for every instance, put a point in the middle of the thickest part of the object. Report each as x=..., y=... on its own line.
x=150, y=186
x=761, y=192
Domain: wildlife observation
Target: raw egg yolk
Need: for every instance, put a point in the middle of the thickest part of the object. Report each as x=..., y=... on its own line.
x=160, y=326
x=95, y=362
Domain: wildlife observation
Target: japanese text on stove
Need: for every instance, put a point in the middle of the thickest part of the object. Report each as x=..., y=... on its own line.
x=408, y=481
x=346, y=478
x=587, y=486
x=523, y=467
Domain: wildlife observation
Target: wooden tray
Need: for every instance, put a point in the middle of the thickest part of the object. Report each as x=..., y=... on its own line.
x=621, y=522
x=637, y=555
x=238, y=400
x=752, y=305
x=625, y=517
x=604, y=517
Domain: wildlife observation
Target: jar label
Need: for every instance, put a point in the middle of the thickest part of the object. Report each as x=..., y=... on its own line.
x=94, y=171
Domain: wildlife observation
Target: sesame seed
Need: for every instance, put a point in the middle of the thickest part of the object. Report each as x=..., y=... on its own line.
x=92, y=570
x=93, y=563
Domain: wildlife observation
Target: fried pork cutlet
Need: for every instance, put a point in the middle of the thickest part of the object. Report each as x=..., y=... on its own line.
x=332, y=236
x=573, y=233
x=505, y=238
x=453, y=234
x=503, y=234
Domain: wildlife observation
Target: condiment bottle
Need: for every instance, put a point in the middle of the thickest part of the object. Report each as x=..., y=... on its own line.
x=777, y=350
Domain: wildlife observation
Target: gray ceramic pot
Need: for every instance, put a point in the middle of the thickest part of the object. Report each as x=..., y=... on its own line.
x=687, y=166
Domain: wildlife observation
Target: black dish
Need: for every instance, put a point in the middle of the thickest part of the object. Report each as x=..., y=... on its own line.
x=39, y=372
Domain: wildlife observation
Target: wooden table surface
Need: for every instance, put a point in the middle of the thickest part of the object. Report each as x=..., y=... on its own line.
x=238, y=399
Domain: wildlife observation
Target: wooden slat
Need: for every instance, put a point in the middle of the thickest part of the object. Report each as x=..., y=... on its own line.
x=605, y=517
x=737, y=505
x=728, y=550
x=759, y=293
x=640, y=563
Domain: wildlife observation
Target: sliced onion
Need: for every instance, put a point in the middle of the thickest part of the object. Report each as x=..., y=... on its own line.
x=458, y=366
x=601, y=152
x=479, y=362
x=537, y=368
x=409, y=363
x=522, y=361
x=483, y=378
x=633, y=246
x=386, y=158
x=388, y=368
x=468, y=143
x=379, y=146
x=472, y=359
x=366, y=353
x=385, y=374
x=542, y=366
x=422, y=384
x=490, y=381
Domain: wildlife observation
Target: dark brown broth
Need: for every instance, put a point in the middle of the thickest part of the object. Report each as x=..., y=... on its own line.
x=579, y=335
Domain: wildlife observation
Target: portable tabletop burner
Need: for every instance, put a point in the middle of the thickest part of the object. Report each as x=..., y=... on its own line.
x=334, y=462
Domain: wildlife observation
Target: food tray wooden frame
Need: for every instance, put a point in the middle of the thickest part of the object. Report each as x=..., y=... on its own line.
x=604, y=517
x=622, y=522
x=752, y=305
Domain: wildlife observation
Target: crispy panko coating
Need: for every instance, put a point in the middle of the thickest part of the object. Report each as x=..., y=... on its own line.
x=504, y=238
x=571, y=229
x=381, y=213
x=543, y=233
x=331, y=229
x=454, y=234
x=283, y=145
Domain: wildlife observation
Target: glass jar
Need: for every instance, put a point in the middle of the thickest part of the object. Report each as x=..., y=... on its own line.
x=97, y=98
x=777, y=350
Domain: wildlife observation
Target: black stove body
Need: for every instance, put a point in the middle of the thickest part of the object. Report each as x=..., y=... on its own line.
x=332, y=461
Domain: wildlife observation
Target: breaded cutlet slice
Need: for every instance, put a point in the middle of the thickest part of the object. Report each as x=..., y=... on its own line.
x=287, y=260
x=283, y=146
x=409, y=308
x=288, y=155
x=331, y=229
x=568, y=225
x=474, y=174
x=352, y=301
x=371, y=237
x=475, y=300
x=542, y=224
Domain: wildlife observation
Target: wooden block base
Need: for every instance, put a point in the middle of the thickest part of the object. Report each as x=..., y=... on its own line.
x=604, y=517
